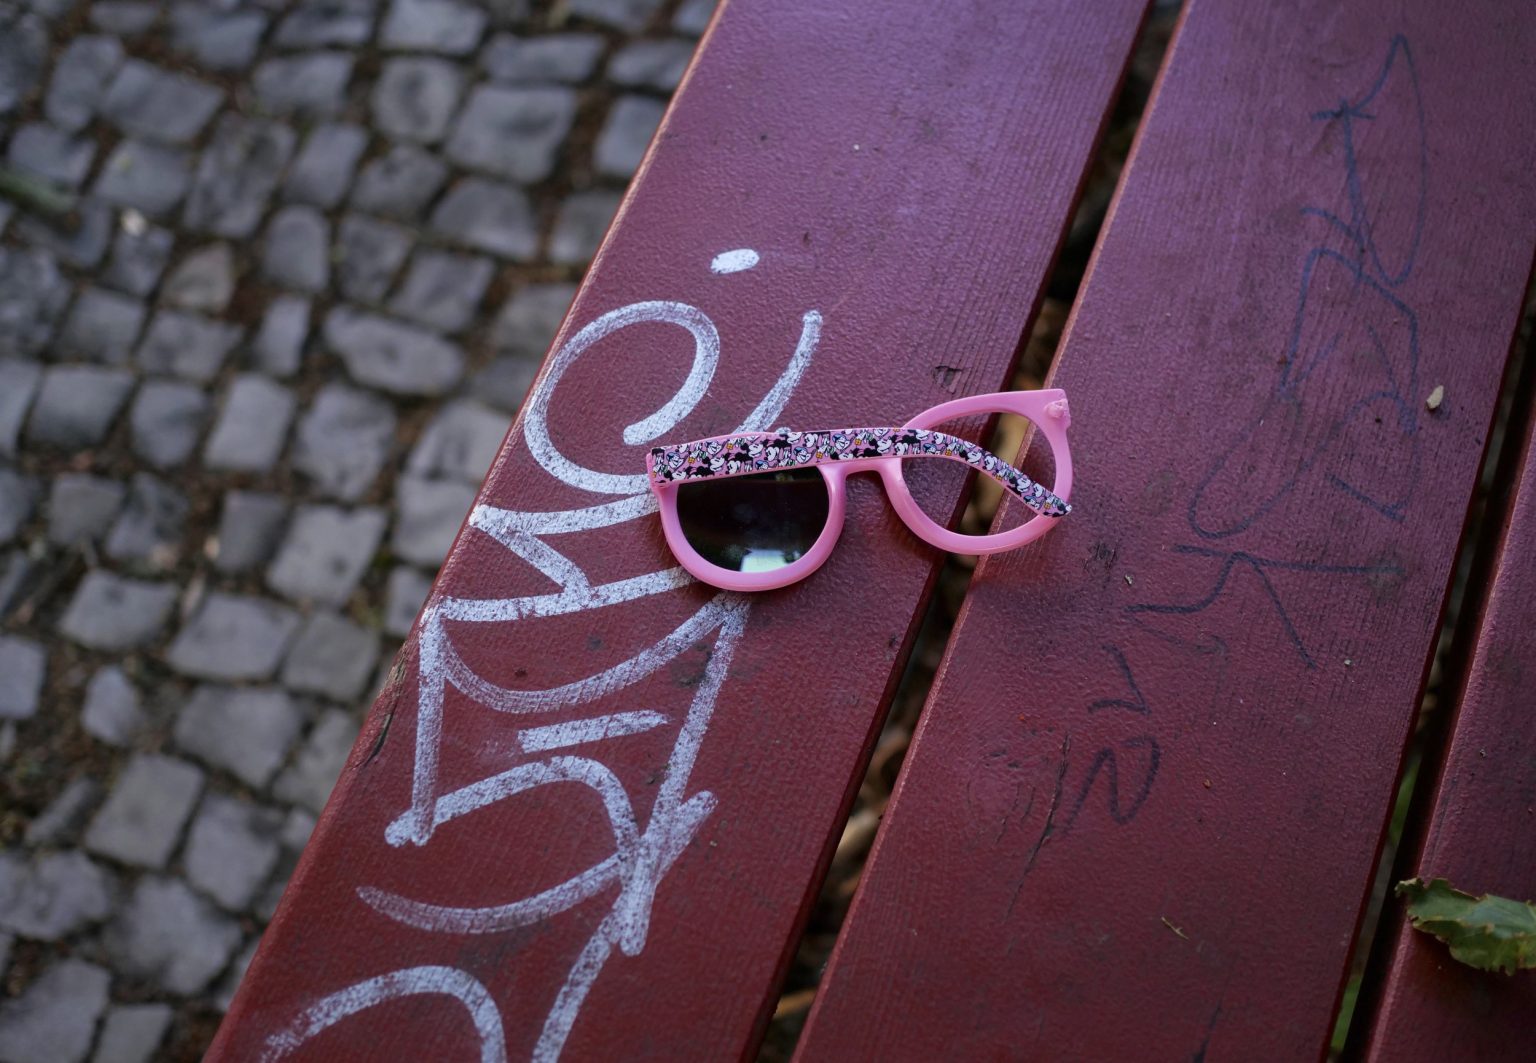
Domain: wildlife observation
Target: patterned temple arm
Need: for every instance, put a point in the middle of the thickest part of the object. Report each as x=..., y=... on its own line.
x=754, y=452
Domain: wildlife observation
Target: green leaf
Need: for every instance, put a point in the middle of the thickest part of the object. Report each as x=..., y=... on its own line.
x=1488, y=932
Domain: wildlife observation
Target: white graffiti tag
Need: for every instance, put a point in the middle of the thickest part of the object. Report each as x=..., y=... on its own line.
x=640, y=856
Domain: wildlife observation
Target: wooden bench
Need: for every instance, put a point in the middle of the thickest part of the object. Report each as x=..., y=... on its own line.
x=1142, y=815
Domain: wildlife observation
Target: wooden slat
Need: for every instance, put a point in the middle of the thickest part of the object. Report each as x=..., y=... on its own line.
x=1481, y=833
x=1144, y=802
x=905, y=171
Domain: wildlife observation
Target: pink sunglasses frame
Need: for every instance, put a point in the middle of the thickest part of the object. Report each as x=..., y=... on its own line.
x=1046, y=409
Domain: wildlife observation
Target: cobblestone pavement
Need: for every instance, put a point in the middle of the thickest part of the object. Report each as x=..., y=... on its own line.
x=274, y=277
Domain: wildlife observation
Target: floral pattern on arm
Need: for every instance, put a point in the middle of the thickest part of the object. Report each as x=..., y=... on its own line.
x=754, y=452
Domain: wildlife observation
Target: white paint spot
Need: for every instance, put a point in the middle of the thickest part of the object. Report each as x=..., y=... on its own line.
x=743, y=258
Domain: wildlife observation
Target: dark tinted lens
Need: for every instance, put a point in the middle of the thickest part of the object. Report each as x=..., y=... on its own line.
x=753, y=523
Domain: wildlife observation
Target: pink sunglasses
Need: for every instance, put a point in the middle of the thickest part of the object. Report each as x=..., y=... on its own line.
x=753, y=511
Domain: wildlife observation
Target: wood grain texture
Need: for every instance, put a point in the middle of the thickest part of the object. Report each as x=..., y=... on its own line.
x=1142, y=808
x=1481, y=833
x=493, y=877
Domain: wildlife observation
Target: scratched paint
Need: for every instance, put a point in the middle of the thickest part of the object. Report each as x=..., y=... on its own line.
x=642, y=853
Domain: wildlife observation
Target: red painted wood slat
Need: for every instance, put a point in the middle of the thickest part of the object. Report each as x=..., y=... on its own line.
x=586, y=814
x=1141, y=812
x=1481, y=834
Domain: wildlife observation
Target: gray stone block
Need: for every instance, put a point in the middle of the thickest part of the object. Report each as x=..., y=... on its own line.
x=23, y=667
x=692, y=17
x=344, y=440
x=142, y=820
x=171, y=936
x=80, y=239
x=368, y=254
x=23, y=52
x=655, y=65
x=101, y=326
x=165, y=421
x=231, y=849
x=332, y=657
x=429, y=514
x=399, y=183
x=513, y=132
x=151, y=178
x=53, y=895
x=490, y=217
x=61, y=821
x=625, y=135
x=244, y=730
x=132, y=1033
x=296, y=252
x=32, y=293
x=146, y=101
x=77, y=404
x=504, y=381
x=19, y=382
x=318, y=23
x=138, y=259
x=236, y=175
x=278, y=348
x=326, y=552
x=323, y=168
x=564, y=57
x=151, y=526
x=415, y=98
x=218, y=40
x=186, y=345
x=404, y=596
x=528, y=321
x=111, y=612
x=233, y=637
x=203, y=281
x=124, y=18
x=309, y=779
x=112, y=712
x=253, y=426
x=450, y=27
x=51, y=153
x=249, y=528
x=84, y=69
x=584, y=219
x=54, y=1018
x=391, y=355
x=18, y=498
x=460, y=443
x=308, y=86
x=442, y=290
x=81, y=507
x=627, y=15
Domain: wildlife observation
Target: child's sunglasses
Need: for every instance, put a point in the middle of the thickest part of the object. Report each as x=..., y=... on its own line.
x=752, y=511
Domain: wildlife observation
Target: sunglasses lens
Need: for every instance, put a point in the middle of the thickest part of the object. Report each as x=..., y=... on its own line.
x=754, y=523
x=939, y=485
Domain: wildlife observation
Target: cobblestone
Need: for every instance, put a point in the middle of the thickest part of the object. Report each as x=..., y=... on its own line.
x=32, y=293
x=447, y=26
x=23, y=51
x=236, y=175
x=343, y=441
x=296, y=253
x=308, y=780
x=655, y=65
x=187, y=345
x=51, y=153
x=323, y=168
x=170, y=935
x=149, y=529
x=125, y=18
x=23, y=664
x=76, y=405
x=101, y=326
x=80, y=239
x=415, y=98
x=405, y=595
x=626, y=134
x=368, y=254
x=569, y=57
x=628, y=15
x=203, y=281
x=18, y=498
x=443, y=290
x=132, y=1033
x=81, y=507
x=146, y=101
x=584, y=219
x=513, y=132
x=112, y=711
x=490, y=217
x=166, y=420
x=85, y=68
x=249, y=528
x=325, y=553
x=278, y=348
x=19, y=382
x=65, y=815
x=400, y=182
x=430, y=513
x=53, y=896
x=231, y=849
x=233, y=637
x=332, y=657
x=252, y=427
x=112, y=612
x=392, y=356
x=141, y=822
x=314, y=23
x=310, y=86
x=244, y=730
x=461, y=442
x=54, y=1019
x=218, y=40
x=138, y=260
